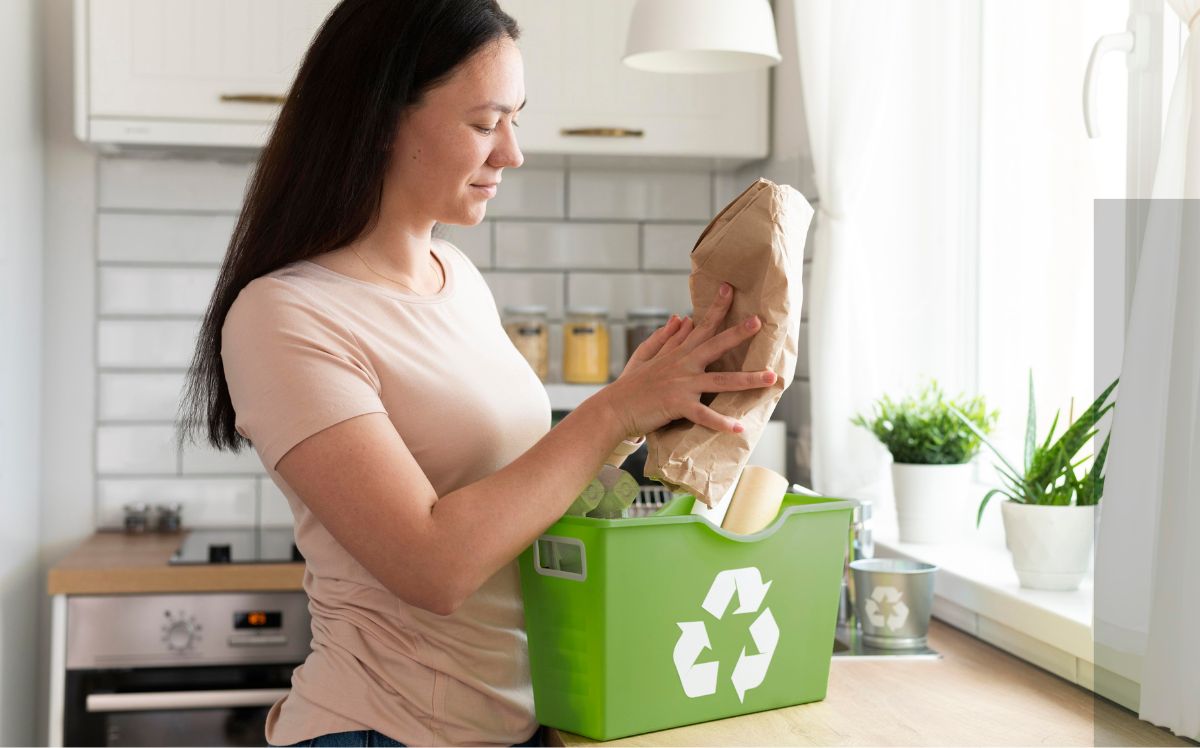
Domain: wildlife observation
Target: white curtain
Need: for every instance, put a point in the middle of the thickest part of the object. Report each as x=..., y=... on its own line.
x=841, y=44
x=1147, y=553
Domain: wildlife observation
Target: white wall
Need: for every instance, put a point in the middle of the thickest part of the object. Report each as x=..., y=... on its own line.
x=21, y=180
x=68, y=350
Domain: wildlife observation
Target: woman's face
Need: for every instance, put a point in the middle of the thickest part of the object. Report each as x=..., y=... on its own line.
x=451, y=148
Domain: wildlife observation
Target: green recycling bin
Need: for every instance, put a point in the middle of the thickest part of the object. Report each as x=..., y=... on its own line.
x=644, y=624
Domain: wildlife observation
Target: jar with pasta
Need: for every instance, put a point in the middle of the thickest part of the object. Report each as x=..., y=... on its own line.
x=529, y=332
x=585, y=345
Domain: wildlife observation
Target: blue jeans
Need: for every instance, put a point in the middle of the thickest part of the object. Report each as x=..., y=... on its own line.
x=364, y=738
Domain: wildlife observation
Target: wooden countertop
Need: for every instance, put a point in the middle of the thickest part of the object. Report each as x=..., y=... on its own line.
x=113, y=562
x=975, y=695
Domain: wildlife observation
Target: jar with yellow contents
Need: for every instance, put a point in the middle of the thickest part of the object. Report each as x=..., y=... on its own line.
x=585, y=345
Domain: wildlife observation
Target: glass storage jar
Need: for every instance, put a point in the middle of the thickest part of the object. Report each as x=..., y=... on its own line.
x=529, y=332
x=585, y=345
x=642, y=322
x=137, y=517
x=170, y=517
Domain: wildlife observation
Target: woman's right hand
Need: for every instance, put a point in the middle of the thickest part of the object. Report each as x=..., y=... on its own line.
x=666, y=376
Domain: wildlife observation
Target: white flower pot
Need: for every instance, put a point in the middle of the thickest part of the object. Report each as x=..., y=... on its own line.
x=931, y=501
x=1051, y=545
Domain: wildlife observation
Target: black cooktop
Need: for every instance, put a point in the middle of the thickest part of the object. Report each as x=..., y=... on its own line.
x=264, y=545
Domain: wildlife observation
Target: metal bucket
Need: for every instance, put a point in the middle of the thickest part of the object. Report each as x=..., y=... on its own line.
x=893, y=599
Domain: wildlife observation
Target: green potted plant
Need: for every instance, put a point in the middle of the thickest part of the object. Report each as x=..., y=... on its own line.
x=931, y=454
x=1049, y=512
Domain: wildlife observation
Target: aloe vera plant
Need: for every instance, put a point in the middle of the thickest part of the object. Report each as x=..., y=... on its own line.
x=1049, y=477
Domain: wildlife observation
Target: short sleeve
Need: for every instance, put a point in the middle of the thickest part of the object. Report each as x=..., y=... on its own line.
x=292, y=370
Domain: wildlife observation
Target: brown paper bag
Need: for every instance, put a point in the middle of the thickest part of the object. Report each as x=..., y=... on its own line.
x=756, y=244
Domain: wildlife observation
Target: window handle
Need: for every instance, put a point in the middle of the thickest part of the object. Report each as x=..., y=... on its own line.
x=1128, y=42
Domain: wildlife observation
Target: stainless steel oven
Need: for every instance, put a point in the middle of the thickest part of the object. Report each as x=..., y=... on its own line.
x=186, y=669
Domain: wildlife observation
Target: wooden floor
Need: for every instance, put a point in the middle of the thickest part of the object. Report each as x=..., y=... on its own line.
x=975, y=695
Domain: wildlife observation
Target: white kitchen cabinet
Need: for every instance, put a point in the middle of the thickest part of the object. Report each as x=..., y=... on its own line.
x=583, y=100
x=213, y=72
x=187, y=72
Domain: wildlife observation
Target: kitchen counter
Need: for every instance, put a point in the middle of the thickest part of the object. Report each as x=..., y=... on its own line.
x=114, y=562
x=975, y=695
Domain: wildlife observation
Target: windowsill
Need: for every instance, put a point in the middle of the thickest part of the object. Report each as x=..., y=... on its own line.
x=977, y=591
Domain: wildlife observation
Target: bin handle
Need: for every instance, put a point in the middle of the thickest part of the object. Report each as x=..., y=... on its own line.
x=551, y=566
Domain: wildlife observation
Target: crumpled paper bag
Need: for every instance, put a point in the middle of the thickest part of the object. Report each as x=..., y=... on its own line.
x=756, y=244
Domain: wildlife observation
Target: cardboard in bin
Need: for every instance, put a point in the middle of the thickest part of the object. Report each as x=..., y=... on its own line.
x=643, y=624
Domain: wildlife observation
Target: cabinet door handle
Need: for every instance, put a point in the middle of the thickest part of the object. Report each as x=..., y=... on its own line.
x=253, y=98
x=603, y=132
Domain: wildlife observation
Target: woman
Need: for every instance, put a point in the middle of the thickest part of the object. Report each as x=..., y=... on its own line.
x=366, y=363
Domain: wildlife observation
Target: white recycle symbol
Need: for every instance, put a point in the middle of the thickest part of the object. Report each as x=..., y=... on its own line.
x=700, y=679
x=891, y=595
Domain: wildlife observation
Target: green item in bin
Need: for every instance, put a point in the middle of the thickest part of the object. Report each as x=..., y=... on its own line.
x=620, y=490
x=646, y=623
x=587, y=499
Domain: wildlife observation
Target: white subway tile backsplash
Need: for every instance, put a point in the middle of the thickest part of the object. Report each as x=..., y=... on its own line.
x=140, y=397
x=527, y=288
x=668, y=246
x=474, y=241
x=172, y=184
x=136, y=449
x=567, y=245
x=207, y=502
x=554, y=235
x=623, y=291
x=201, y=458
x=131, y=290
x=147, y=343
x=528, y=193
x=273, y=508
x=161, y=237
x=636, y=195
x=726, y=187
x=796, y=407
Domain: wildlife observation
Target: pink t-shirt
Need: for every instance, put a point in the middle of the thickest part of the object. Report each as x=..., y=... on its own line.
x=305, y=348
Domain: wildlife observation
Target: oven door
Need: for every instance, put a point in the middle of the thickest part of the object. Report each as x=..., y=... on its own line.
x=179, y=706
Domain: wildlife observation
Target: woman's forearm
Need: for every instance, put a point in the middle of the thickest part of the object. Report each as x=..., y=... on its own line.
x=484, y=525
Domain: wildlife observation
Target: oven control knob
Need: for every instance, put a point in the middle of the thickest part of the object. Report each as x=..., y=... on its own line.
x=179, y=635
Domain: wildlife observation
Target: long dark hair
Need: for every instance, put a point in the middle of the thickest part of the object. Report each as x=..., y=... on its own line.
x=318, y=182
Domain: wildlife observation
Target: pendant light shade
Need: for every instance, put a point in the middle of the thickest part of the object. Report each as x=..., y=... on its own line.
x=701, y=36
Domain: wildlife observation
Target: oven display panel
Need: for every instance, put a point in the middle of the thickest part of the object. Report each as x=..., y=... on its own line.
x=258, y=619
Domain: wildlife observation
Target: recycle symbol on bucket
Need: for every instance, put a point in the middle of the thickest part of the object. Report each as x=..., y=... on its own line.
x=897, y=612
x=700, y=678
